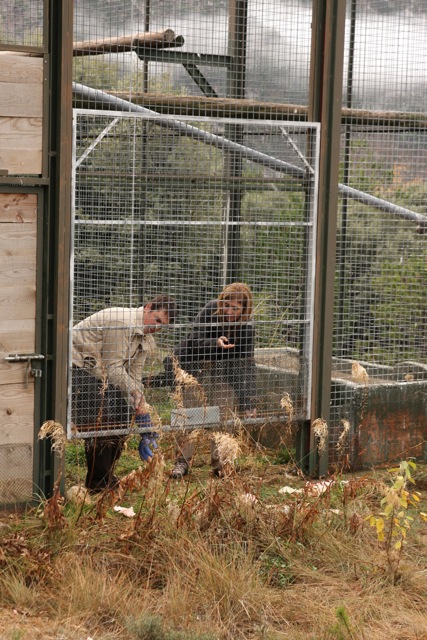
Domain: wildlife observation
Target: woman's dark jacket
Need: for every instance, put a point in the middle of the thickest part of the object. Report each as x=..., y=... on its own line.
x=236, y=366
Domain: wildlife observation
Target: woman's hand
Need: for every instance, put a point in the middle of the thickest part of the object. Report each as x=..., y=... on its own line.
x=223, y=343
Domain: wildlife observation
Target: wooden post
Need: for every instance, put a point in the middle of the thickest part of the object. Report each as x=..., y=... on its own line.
x=123, y=43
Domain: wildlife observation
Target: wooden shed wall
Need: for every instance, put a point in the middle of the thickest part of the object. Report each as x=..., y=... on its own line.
x=18, y=273
x=21, y=114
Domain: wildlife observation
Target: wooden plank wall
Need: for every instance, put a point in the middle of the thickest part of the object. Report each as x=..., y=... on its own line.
x=18, y=244
x=21, y=113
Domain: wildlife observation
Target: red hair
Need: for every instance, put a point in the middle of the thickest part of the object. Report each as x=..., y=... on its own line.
x=240, y=292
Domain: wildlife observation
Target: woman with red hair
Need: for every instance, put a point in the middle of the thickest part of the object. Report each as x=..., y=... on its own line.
x=219, y=353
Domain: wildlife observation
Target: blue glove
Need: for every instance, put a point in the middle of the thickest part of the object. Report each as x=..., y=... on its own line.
x=143, y=420
x=148, y=439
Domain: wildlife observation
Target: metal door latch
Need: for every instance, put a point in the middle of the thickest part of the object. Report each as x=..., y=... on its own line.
x=34, y=369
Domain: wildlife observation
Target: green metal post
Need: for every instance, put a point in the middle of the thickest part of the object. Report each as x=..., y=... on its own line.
x=346, y=173
x=57, y=227
x=236, y=81
x=325, y=103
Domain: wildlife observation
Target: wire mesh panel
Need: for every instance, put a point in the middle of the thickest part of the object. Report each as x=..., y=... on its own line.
x=21, y=23
x=380, y=357
x=183, y=208
x=278, y=60
x=176, y=56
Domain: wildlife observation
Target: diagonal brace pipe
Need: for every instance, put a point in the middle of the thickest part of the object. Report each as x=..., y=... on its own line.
x=118, y=104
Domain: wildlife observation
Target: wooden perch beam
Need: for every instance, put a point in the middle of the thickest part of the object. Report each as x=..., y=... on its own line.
x=232, y=108
x=208, y=107
x=156, y=39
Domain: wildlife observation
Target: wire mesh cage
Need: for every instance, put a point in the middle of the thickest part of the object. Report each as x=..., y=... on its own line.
x=251, y=59
x=203, y=176
x=179, y=207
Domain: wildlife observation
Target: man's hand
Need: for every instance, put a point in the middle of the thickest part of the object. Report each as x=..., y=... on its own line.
x=138, y=403
x=223, y=343
x=250, y=413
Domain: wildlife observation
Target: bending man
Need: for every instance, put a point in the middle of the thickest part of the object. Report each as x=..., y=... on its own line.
x=110, y=348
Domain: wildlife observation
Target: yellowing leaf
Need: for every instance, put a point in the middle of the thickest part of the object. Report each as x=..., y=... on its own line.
x=398, y=544
x=379, y=524
x=388, y=510
x=399, y=482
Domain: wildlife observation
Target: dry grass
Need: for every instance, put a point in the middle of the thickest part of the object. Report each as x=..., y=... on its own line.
x=213, y=559
x=320, y=430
